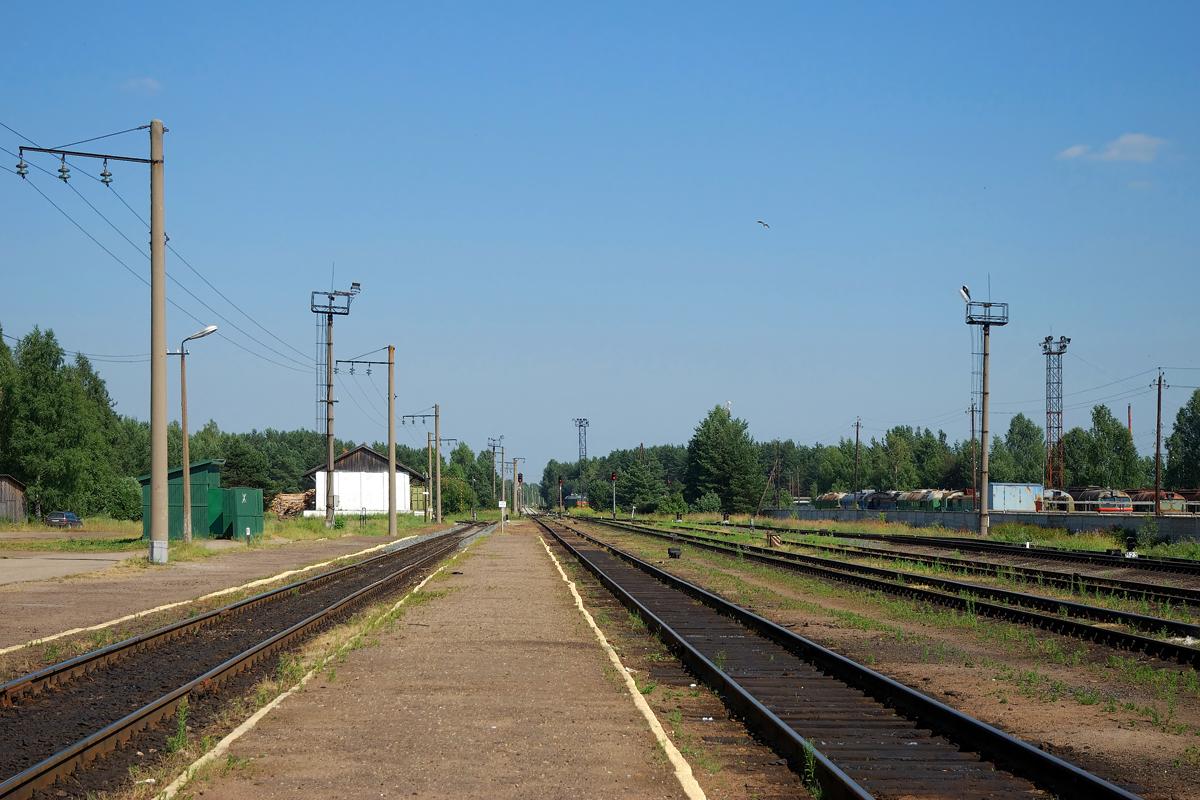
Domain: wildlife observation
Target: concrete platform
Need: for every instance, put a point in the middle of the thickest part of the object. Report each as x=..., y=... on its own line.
x=17, y=566
x=496, y=689
x=43, y=593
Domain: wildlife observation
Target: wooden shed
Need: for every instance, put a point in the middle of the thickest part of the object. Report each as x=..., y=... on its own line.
x=12, y=499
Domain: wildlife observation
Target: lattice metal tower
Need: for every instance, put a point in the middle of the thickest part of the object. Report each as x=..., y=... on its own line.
x=582, y=424
x=1053, y=350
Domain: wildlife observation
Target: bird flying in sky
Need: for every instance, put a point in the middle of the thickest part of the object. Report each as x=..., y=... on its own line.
x=765, y=225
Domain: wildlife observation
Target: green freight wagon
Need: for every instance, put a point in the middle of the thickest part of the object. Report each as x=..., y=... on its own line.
x=243, y=513
x=207, y=501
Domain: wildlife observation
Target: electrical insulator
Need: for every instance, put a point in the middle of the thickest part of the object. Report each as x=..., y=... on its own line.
x=105, y=175
x=22, y=168
x=64, y=172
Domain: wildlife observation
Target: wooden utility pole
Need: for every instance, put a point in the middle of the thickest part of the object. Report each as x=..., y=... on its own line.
x=391, y=351
x=1158, y=452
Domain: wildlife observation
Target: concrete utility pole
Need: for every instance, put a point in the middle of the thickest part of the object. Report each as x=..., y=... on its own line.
x=494, y=445
x=158, y=317
x=336, y=303
x=517, y=487
x=503, y=485
x=428, y=475
x=437, y=461
x=183, y=423
x=985, y=314
x=1158, y=451
x=613, y=480
x=391, y=353
x=158, y=348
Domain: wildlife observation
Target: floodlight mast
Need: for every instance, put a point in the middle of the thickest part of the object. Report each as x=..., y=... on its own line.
x=985, y=314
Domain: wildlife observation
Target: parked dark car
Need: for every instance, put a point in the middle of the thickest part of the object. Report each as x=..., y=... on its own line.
x=63, y=519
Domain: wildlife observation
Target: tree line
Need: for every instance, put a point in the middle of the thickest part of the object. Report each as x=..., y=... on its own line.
x=61, y=436
x=722, y=468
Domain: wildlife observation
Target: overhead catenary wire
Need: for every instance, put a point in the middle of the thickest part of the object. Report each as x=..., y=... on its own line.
x=170, y=247
x=145, y=282
x=98, y=138
x=188, y=291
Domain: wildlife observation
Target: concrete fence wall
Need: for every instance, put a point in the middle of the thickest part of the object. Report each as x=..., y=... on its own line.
x=1176, y=528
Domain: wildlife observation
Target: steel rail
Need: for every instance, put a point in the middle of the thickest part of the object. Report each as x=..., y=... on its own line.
x=57, y=674
x=1009, y=752
x=61, y=764
x=894, y=582
x=1170, y=595
x=1150, y=591
x=1185, y=566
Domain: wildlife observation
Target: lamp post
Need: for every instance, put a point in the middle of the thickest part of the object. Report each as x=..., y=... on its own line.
x=187, y=466
x=985, y=314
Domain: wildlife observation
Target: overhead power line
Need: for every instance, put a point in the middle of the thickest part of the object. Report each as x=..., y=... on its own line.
x=188, y=291
x=126, y=358
x=97, y=138
x=145, y=282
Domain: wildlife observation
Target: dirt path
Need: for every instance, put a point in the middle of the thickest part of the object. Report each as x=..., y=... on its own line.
x=36, y=608
x=494, y=689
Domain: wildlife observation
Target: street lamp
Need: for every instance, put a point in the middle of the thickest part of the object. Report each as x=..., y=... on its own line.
x=985, y=314
x=187, y=467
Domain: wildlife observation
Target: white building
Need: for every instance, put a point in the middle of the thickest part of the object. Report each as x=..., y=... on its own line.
x=360, y=483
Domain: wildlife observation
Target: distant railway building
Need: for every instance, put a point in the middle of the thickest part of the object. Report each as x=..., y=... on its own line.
x=360, y=485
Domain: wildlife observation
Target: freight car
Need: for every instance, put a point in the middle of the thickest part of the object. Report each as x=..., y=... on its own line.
x=1168, y=502
x=1104, y=501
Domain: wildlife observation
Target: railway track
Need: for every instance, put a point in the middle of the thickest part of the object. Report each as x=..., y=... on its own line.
x=1060, y=616
x=850, y=731
x=1111, y=560
x=63, y=717
x=1072, y=581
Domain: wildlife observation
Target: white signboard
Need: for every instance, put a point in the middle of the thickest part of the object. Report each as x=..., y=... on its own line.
x=503, y=504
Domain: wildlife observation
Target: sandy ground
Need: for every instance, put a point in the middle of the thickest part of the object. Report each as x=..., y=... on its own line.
x=494, y=689
x=36, y=607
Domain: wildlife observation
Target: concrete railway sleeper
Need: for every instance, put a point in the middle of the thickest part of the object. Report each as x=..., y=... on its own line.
x=40, y=730
x=852, y=732
x=968, y=597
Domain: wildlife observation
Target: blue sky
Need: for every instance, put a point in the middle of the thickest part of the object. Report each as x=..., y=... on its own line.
x=552, y=207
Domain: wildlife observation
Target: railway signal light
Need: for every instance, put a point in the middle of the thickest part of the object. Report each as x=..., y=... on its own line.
x=613, y=477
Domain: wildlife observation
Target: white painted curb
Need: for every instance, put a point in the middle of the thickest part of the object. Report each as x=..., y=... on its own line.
x=683, y=770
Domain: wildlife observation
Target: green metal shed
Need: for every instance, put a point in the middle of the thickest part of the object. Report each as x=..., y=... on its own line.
x=207, y=501
x=243, y=513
